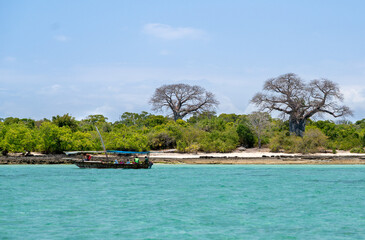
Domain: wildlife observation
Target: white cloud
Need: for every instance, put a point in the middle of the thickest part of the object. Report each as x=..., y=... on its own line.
x=226, y=105
x=168, y=32
x=354, y=97
x=354, y=94
x=250, y=108
x=61, y=38
x=103, y=110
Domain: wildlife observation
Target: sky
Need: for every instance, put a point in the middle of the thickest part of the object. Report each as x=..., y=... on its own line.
x=85, y=57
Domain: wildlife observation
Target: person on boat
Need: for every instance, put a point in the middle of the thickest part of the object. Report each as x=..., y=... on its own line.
x=128, y=162
x=136, y=159
x=116, y=161
x=146, y=160
x=87, y=157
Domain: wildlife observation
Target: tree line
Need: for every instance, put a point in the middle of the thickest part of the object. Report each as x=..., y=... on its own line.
x=206, y=131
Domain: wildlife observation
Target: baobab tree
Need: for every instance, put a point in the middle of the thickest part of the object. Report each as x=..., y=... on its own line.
x=290, y=96
x=182, y=100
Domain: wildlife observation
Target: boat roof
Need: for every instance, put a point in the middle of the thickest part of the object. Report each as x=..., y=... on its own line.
x=81, y=152
x=108, y=151
x=127, y=152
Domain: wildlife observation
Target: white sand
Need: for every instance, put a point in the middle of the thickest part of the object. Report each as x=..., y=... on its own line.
x=252, y=152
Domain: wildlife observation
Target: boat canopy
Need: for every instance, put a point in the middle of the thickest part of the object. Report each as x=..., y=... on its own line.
x=82, y=152
x=126, y=152
x=108, y=151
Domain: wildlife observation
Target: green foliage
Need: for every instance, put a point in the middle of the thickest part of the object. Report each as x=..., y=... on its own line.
x=189, y=140
x=197, y=117
x=277, y=125
x=213, y=124
x=30, y=123
x=245, y=136
x=211, y=134
x=126, y=139
x=357, y=150
x=312, y=141
x=174, y=129
x=279, y=141
x=153, y=121
x=78, y=141
x=360, y=123
x=54, y=138
x=65, y=121
x=18, y=138
x=230, y=117
x=93, y=119
x=202, y=132
x=134, y=119
x=220, y=141
x=161, y=140
x=344, y=136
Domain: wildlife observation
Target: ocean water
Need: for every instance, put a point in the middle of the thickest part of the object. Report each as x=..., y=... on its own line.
x=182, y=202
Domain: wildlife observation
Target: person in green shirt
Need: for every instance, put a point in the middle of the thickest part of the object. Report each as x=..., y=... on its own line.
x=136, y=159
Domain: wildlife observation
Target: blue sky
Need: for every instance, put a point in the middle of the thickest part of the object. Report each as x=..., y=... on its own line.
x=107, y=57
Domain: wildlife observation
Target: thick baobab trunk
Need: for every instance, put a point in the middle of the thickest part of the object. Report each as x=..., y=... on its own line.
x=297, y=126
x=177, y=116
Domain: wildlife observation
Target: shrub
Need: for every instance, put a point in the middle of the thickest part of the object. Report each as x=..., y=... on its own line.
x=126, y=140
x=245, y=136
x=357, y=150
x=312, y=141
x=19, y=138
x=54, y=139
x=220, y=141
x=189, y=140
x=213, y=124
x=279, y=141
x=161, y=140
x=82, y=142
x=65, y=120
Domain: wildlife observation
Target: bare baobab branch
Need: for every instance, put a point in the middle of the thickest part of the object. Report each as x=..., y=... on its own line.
x=289, y=95
x=182, y=100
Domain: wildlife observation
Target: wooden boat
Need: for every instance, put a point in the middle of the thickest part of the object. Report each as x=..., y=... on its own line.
x=100, y=164
x=144, y=164
x=109, y=163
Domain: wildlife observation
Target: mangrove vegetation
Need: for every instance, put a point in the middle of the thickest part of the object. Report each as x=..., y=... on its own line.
x=206, y=131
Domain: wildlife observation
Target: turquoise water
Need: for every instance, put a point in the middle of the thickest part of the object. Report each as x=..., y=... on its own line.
x=182, y=202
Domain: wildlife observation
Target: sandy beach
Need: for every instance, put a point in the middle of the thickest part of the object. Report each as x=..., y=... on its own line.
x=248, y=153
x=257, y=156
x=249, y=156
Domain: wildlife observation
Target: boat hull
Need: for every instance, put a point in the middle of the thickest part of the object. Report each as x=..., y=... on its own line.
x=99, y=164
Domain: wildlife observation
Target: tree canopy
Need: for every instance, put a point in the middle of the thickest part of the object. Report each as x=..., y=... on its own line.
x=205, y=132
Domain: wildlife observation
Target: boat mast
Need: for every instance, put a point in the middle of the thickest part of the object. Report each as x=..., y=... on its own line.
x=102, y=142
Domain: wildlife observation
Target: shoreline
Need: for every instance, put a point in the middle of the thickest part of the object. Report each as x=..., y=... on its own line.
x=249, y=157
